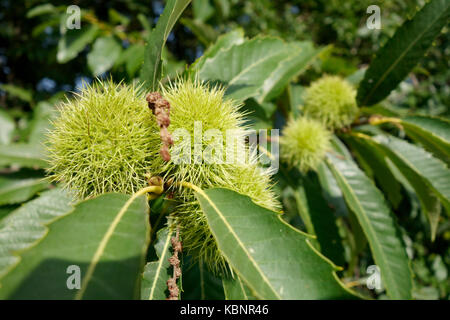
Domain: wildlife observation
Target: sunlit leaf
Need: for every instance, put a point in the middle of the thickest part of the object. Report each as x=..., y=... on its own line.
x=103, y=238
x=27, y=225
x=378, y=223
x=426, y=174
x=254, y=241
x=433, y=133
x=260, y=67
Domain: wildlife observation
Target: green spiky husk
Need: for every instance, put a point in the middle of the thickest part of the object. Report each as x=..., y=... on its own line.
x=101, y=142
x=331, y=100
x=107, y=140
x=304, y=143
x=192, y=101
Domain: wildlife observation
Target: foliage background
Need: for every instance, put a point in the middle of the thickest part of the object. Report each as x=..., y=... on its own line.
x=36, y=71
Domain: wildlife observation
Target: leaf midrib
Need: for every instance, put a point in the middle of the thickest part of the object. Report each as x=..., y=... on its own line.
x=431, y=140
x=160, y=263
x=265, y=93
x=251, y=66
x=393, y=65
x=166, y=34
x=414, y=168
x=103, y=243
x=376, y=242
x=219, y=213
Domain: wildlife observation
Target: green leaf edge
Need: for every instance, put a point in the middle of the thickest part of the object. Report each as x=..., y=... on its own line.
x=201, y=192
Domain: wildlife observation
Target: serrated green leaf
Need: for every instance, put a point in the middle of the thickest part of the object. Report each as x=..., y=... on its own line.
x=433, y=170
x=151, y=70
x=432, y=133
x=259, y=67
x=378, y=223
x=356, y=238
x=23, y=155
x=223, y=42
x=377, y=169
x=156, y=273
x=102, y=236
x=26, y=226
x=340, y=148
x=104, y=53
x=288, y=69
x=73, y=41
x=426, y=174
x=402, y=52
x=19, y=190
x=410, y=179
x=253, y=240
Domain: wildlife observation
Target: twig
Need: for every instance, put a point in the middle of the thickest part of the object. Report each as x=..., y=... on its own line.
x=174, y=291
x=161, y=109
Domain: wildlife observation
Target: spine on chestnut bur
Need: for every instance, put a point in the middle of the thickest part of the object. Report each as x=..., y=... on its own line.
x=112, y=138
